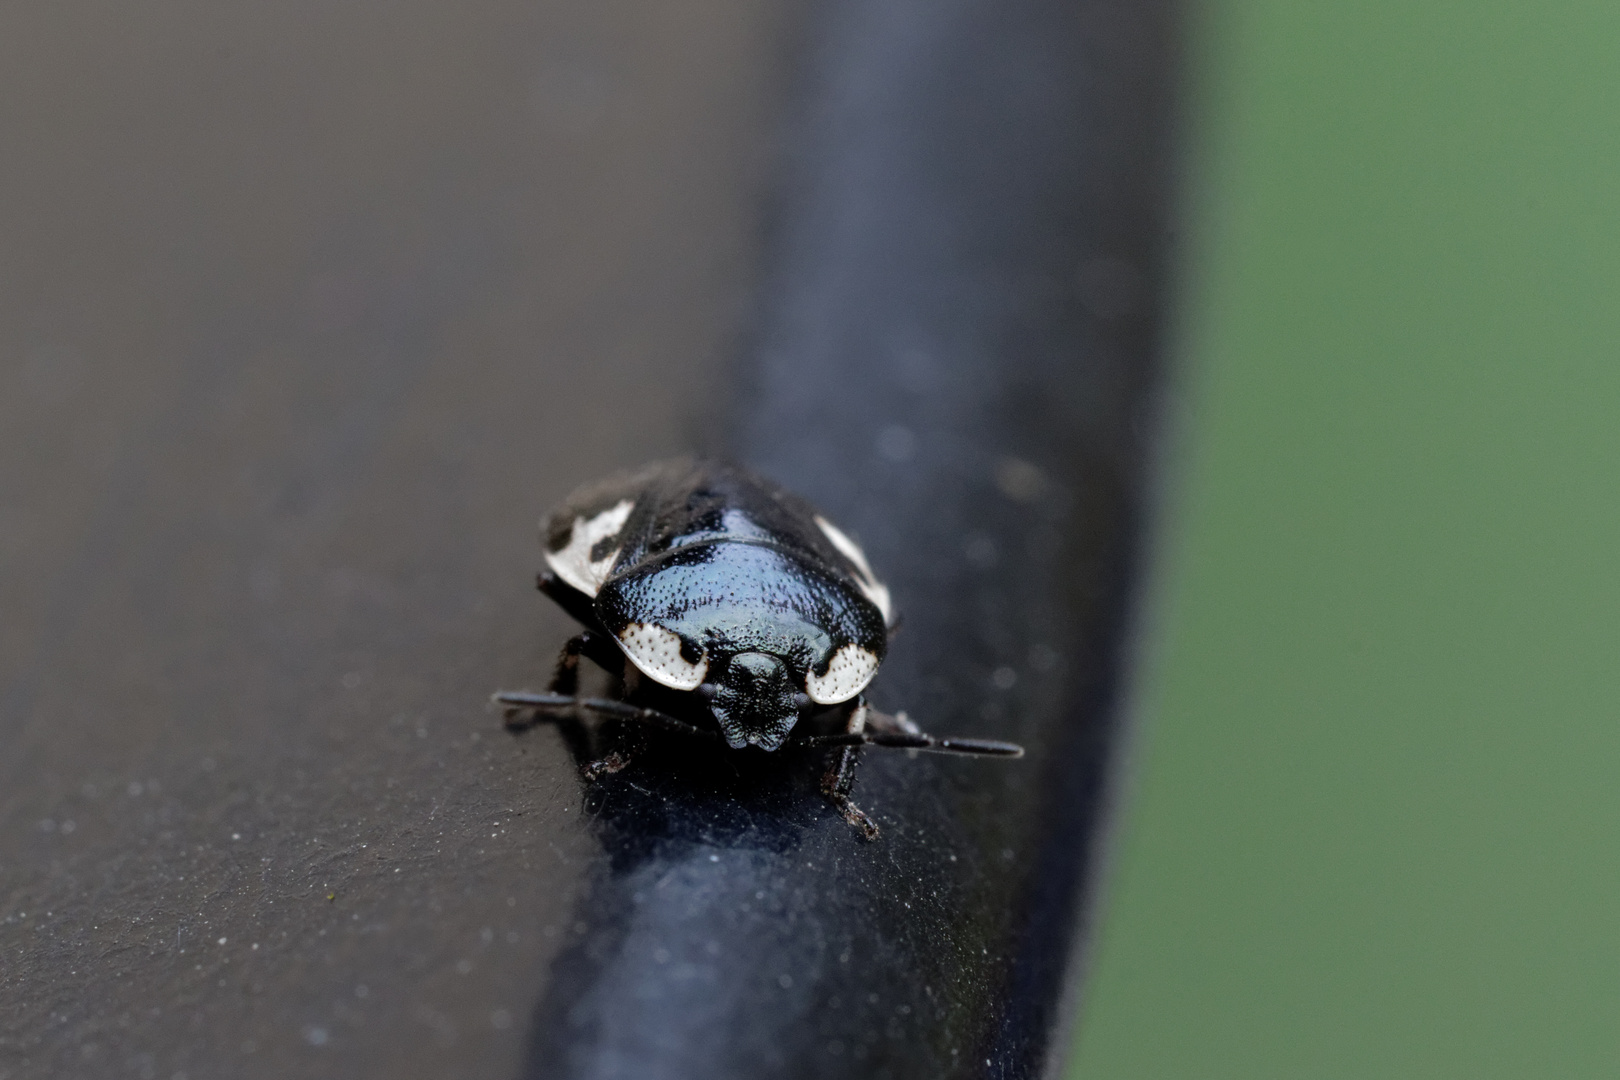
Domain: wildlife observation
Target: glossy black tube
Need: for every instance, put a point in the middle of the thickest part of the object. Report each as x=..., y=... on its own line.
x=954, y=356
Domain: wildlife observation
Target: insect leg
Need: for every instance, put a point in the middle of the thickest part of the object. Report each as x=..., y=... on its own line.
x=840, y=776
x=566, y=678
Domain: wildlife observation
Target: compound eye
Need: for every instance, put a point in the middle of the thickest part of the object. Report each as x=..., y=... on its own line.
x=663, y=657
x=848, y=672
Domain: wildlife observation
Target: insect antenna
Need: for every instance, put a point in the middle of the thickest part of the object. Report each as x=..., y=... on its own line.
x=913, y=741
x=556, y=706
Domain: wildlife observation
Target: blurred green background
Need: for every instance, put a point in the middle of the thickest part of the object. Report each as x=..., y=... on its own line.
x=1371, y=821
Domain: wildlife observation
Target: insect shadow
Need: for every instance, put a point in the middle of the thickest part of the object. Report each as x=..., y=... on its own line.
x=661, y=822
x=652, y=723
x=689, y=838
x=644, y=786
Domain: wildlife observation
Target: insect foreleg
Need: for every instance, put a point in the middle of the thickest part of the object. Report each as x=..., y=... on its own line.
x=565, y=680
x=840, y=776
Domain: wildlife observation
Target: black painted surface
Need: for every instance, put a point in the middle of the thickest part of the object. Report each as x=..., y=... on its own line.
x=306, y=318
x=955, y=357
x=307, y=313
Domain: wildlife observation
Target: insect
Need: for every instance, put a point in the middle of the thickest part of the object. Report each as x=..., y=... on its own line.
x=734, y=604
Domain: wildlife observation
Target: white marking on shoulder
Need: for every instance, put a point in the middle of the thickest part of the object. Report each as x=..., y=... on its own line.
x=851, y=669
x=657, y=653
x=573, y=563
x=874, y=589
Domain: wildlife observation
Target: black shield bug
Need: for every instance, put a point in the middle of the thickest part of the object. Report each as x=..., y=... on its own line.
x=739, y=608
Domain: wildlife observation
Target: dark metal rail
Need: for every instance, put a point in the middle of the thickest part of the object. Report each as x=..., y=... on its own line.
x=955, y=357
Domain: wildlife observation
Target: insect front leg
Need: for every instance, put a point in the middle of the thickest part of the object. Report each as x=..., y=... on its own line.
x=565, y=680
x=840, y=776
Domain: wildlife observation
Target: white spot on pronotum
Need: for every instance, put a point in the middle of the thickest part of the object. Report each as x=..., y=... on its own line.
x=656, y=652
x=851, y=669
x=573, y=563
x=875, y=590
